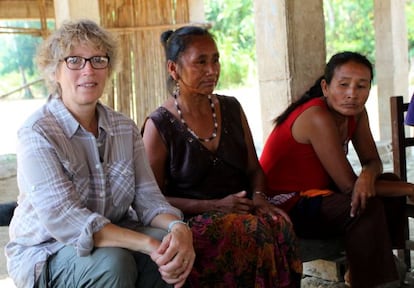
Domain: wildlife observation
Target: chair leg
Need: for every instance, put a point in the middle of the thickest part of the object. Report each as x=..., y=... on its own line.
x=407, y=259
x=405, y=254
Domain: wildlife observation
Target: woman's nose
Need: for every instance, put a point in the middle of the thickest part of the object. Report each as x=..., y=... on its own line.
x=88, y=67
x=212, y=69
x=351, y=92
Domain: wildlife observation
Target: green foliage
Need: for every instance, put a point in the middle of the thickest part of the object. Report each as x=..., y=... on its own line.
x=17, y=55
x=350, y=26
x=18, y=50
x=409, y=10
x=234, y=31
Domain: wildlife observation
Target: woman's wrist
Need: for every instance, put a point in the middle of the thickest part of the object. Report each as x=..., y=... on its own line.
x=174, y=223
x=261, y=194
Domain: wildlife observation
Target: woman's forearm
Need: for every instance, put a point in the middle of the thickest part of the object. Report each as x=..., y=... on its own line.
x=192, y=206
x=112, y=235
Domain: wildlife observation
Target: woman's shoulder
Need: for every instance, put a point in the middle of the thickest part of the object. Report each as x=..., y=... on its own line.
x=41, y=114
x=164, y=121
x=161, y=113
x=309, y=109
x=51, y=118
x=313, y=116
x=227, y=99
x=315, y=102
x=315, y=105
x=229, y=104
x=112, y=117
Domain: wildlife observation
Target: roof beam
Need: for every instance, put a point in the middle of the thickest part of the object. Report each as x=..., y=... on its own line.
x=21, y=9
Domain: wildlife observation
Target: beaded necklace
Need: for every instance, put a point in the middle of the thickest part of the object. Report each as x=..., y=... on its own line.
x=213, y=111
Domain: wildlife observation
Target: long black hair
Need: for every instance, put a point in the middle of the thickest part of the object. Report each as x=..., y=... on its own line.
x=315, y=91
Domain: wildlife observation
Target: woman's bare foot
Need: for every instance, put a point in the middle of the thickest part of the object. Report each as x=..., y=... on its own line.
x=347, y=278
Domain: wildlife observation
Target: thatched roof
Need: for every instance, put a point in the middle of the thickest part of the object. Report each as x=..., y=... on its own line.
x=26, y=10
x=140, y=87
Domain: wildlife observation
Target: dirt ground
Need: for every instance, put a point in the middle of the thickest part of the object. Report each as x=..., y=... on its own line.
x=8, y=192
x=8, y=189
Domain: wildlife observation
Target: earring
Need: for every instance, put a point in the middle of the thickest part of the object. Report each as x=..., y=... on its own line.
x=176, y=91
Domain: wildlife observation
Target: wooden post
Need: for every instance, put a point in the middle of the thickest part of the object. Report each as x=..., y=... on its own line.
x=391, y=65
x=290, y=43
x=76, y=9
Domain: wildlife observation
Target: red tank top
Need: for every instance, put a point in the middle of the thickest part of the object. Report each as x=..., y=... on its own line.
x=291, y=166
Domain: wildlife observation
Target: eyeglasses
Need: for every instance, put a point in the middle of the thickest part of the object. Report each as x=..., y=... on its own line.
x=78, y=62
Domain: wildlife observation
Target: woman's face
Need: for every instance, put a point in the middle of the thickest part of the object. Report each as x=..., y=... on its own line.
x=349, y=89
x=85, y=86
x=198, y=67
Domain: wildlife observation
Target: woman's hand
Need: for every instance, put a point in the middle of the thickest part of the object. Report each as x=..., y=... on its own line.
x=364, y=189
x=175, y=256
x=235, y=203
x=263, y=206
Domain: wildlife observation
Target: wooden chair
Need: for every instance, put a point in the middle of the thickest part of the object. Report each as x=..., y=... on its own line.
x=400, y=141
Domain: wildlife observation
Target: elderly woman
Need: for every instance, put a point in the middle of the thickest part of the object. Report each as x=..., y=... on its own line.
x=201, y=151
x=87, y=194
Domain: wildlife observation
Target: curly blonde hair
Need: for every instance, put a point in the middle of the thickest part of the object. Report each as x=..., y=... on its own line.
x=58, y=45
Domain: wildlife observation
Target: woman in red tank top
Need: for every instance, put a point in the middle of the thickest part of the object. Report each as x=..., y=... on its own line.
x=307, y=170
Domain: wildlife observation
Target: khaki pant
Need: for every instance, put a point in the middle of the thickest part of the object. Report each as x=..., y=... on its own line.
x=110, y=267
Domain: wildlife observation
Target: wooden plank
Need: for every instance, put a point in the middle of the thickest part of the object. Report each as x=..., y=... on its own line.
x=332, y=271
x=140, y=87
x=13, y=9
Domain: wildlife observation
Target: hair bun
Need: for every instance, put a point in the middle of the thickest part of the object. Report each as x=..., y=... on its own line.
x=165, y=36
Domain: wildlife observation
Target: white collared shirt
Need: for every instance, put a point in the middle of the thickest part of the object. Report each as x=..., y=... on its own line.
x=66, y=193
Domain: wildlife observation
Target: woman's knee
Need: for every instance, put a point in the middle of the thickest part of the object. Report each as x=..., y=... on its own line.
x=374, y=206
x=389, y=177
x=104, y=267
x=116, y=266
x=117, y=259
x=129, y=269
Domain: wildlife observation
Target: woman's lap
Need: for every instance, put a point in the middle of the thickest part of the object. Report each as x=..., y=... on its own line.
x=380, y=224
x=235, y=250
x=104, y=267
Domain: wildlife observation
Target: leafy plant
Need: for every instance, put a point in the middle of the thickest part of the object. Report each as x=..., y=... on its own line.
x=349, y=25
x=233, y=27
x=17, y=54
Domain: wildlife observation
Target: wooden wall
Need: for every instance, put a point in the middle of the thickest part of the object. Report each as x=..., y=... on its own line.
x=141, y=86
x=26, y=9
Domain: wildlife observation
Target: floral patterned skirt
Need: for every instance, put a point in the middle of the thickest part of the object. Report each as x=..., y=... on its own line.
x=238, y=250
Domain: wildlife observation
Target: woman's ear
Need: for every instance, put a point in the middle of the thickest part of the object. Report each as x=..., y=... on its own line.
x=172, y=69
x=324, y=87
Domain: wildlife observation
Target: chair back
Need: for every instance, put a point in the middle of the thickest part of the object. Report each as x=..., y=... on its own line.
x=400, y=141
